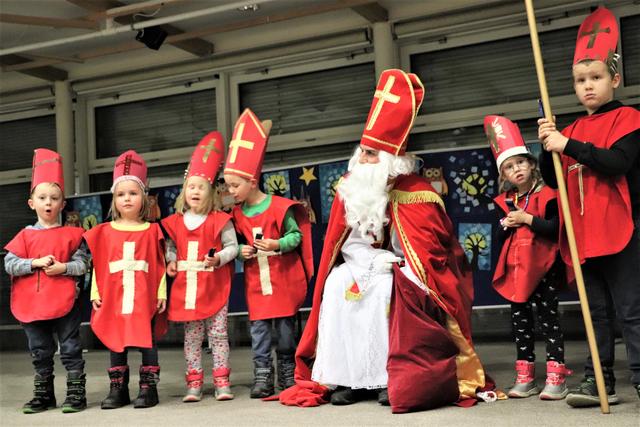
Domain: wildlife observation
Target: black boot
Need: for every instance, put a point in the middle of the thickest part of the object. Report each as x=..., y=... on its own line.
x=286, y=368
x=383, y=397
x=262, y=380
x=119, y=389
x=76, y=400
x=43, y=395
x=346, y=396
x=148, y=395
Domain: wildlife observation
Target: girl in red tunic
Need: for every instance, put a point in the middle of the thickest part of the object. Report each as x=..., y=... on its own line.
x=529, y=269
x=128, y=283
x=202, y=265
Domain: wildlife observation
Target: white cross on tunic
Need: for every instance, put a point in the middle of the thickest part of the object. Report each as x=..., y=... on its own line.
x=128, y=265
x=192, y=266
x=383, y=96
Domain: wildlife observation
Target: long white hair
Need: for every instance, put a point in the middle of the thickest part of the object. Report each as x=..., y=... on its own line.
x=365, y=191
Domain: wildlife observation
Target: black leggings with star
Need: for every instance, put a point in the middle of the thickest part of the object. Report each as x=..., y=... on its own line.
x=546, y=299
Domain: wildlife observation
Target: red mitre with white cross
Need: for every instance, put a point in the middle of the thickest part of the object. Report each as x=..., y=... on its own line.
x=247, y=147
x=395, y=105
x=504, y=138
x=207, y=157
x=597, y=37
x=130, y=166
x=47, y=167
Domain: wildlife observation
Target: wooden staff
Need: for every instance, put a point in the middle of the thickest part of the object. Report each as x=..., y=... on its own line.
x=566, y=214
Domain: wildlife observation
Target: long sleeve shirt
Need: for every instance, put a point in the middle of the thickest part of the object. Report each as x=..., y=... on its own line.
x=16, y=266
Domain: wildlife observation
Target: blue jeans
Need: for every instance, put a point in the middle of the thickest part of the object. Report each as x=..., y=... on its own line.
x=261, y=338
x=43, y=346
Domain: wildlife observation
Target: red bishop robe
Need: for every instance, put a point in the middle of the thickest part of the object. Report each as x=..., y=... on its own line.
x=600, y=205
x=525, y=257
x=126, y=260
x=209, y=289
x=276, y=285
x=38, y=296
x=431, y=358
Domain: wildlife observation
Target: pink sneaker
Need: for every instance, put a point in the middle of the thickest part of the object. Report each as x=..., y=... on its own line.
x=221, y=384
x=194, y=386
x=555, y=387
x=525, y=385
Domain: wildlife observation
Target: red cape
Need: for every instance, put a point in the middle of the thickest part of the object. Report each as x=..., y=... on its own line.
x=435, y=256
x=38, y=296
x=114, y=328
x=213, y=287
x=606, y=202
x=289, y=272
x=525, y=258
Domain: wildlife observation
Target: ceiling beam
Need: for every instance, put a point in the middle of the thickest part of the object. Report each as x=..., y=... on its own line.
x=372, y=12
x=42, y=72
x=10, y=18
x=195, y=46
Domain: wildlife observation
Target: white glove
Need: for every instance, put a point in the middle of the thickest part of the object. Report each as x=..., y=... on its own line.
x=383, y=262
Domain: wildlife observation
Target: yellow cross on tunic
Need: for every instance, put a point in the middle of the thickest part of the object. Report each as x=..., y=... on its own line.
x=128, y=265
x=594, y=33
x=383, y=96
x=192, y=266
x=208, y=149
x=238, y=143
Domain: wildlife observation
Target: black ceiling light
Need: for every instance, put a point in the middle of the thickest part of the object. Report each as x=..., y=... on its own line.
x=152, y=37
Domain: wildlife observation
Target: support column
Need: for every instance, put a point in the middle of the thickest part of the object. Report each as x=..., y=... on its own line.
x=384, y=48
x=64, y=133
x=82, y=146
x=223, y=107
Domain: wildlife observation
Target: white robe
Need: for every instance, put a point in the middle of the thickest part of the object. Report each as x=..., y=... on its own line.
x=353, y=336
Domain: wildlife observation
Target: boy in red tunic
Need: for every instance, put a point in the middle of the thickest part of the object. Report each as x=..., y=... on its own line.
x=278, y=260
x=529, y=268
x=601, y=166
x=128, y=283
x=206, y=247
x=44, y=261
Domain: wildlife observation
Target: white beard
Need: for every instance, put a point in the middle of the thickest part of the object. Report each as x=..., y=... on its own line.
x=365, y=195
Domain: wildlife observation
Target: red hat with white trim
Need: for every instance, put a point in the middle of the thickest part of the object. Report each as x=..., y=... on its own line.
x=247, y=146
x=130, y=166
x=47, y=167
x=207, y=157
x=597, y=37
x=396, y=102
x=504, y=139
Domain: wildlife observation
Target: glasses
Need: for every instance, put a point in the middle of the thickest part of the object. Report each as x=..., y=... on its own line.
x=511, y=168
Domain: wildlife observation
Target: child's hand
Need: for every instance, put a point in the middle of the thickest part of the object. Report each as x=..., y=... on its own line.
x=248, y=252
x=172, y=269
x=45, y=261
x=267, y=245
x=517, y=218
x=162, y=305
x=55, y=269
x=551, y=139
x=96, y=303
x=211, y=261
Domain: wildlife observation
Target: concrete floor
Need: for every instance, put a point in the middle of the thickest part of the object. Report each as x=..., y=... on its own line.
x=16, y=388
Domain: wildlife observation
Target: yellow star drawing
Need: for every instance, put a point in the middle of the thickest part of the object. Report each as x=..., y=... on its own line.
x=307, y=175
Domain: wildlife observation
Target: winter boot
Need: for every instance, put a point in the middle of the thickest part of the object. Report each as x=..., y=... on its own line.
x=194, y=380
x=555, y=387
x=43, y=395
x=586, y=394
x=525, y=384
x=286, y=368
x=262, y=380
x=383, y=397
x=119, y=389
x=221, y=384
x=76, y=400
x=148, y=395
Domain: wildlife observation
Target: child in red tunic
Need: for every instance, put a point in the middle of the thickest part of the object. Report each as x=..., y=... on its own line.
x=128, y=283
x=601, y=167
x=202, y=265
x=529, y=269
x=277, y=255
x=44, y=261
